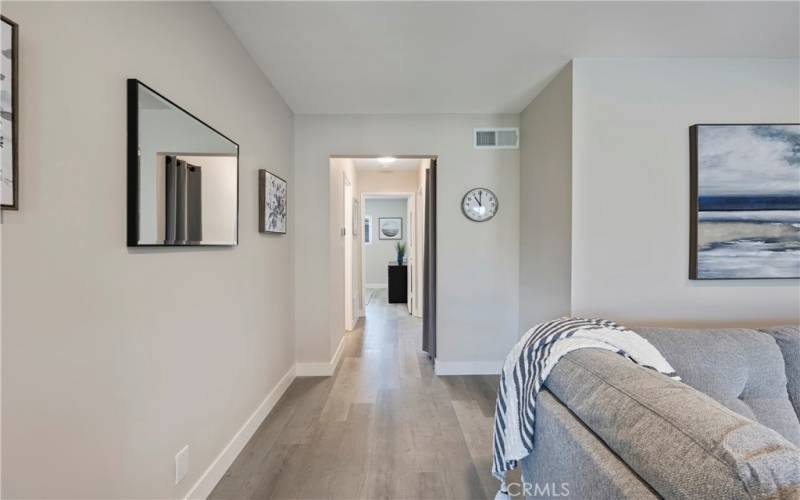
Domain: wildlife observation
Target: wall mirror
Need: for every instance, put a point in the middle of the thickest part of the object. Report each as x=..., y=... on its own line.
x=183, y=176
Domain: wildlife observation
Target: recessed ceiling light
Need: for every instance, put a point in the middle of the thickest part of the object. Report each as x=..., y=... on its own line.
x=387, y=160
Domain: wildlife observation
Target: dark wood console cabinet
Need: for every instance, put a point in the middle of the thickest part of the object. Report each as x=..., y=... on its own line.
x=398, y=284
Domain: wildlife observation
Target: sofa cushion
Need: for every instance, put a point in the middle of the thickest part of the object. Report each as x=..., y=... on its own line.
x=788, y=339
x=742, y=369
x=680, y=441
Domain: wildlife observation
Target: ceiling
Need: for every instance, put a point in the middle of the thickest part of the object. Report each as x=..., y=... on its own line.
x=399, y=165
x=481, y=57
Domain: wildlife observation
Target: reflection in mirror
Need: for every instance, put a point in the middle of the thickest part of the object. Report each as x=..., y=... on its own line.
x=186, y=189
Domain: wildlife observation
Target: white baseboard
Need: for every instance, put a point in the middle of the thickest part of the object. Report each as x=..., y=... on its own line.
x=377, y=285
x=321, y=369
x=203, y=487
x=337, y=356
x=468, y=367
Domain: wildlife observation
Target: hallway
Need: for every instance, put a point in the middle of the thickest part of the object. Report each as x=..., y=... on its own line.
x=384, y=426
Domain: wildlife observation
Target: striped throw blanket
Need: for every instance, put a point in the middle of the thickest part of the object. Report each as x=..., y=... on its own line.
x=528, y=365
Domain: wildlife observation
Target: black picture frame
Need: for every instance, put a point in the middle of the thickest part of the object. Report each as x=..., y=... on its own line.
x=133, y=168
x=380, y=233
x=694, y=198
x=262, y=198
x=15, y=113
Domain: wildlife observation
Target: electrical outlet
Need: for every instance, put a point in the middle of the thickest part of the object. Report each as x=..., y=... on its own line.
x=181, y=464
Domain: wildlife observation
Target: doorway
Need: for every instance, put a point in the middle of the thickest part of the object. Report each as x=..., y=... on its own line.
x=387, y=240
x=390, y=226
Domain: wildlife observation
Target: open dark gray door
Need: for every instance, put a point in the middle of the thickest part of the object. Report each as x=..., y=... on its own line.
x=429, y=270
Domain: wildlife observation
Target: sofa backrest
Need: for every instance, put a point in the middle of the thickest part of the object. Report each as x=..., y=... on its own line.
x=788, y=339
x=677, y=439
x=741, y=368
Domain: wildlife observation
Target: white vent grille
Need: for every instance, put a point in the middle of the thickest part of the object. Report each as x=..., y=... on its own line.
x=485, y=138
x=496, y=138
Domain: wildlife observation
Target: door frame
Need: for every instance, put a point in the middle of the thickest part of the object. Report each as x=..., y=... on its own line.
x=409, y=199
x=434, y=159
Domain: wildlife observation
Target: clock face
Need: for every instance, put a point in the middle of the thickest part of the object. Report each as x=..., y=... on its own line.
x=479, y=205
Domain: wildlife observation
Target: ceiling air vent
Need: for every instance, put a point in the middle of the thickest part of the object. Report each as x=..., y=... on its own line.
x=496, y=138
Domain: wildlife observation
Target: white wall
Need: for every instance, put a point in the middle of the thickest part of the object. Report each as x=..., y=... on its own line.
x=477, y=263
x=379, y=253
x=340, y=291
x=546, y=203
x=352, y=222
x=113, y=358
x=630, y=230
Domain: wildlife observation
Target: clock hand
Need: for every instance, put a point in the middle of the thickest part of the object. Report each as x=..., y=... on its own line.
x=480, y=198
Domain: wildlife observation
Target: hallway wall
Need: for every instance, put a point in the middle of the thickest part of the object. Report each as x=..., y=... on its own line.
x=478, y=263
x=340, y=285
x=113, y=358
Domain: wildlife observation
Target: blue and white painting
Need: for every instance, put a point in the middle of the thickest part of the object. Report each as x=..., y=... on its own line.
x=748, y=206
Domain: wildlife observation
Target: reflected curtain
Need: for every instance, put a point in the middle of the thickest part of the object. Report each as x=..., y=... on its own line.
x=184, y=203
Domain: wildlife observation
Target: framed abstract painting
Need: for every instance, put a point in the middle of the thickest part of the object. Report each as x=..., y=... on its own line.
x=390, y=228
x=9, y=115
x=745, y=201
x=272, y=203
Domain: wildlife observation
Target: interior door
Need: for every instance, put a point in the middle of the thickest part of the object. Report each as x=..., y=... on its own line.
x=429, y=274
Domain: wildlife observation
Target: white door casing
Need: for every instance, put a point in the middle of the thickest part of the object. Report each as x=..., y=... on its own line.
x=410, y=249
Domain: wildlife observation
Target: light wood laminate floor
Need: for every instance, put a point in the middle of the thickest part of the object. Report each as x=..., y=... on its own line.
x=383, y=427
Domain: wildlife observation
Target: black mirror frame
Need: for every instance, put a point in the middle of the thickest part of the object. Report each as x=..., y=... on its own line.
x=133, y=168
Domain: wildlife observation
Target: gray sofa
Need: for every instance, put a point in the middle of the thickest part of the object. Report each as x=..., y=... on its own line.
x=609, y=429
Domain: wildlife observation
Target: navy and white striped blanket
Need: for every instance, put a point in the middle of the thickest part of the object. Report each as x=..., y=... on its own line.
x=528, y=365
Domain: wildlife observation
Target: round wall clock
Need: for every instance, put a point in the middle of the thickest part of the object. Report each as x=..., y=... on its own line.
x=479, y=204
